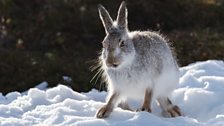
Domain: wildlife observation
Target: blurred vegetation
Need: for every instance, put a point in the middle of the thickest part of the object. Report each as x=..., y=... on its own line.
x=44, y=40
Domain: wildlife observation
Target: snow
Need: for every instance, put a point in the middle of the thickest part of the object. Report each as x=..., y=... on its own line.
x=199, y=95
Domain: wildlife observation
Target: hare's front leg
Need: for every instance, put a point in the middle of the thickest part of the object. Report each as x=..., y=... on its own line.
x=147, y=101
x=169, y=110
x=105, y=111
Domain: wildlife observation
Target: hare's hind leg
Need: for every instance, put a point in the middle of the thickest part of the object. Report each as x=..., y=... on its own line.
x=147, y=101
x=169, y=110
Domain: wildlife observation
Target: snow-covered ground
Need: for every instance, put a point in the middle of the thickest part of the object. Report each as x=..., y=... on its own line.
x=200, y=96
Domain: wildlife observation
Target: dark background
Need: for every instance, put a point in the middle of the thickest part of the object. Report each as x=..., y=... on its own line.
x=44, y=40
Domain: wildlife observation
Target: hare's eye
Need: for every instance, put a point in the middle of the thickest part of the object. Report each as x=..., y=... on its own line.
x=121, y=44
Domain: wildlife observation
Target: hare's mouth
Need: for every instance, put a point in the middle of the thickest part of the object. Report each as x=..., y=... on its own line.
x=113, y=65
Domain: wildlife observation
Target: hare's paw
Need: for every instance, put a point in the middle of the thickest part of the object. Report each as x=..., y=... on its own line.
x=145, y=108
x=103, y=112
x=174, y=111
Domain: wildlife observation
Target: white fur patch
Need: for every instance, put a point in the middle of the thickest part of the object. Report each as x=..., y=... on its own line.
x=117, y=52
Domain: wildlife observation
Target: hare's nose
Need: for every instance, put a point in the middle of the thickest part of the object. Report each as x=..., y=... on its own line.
x=112, y=62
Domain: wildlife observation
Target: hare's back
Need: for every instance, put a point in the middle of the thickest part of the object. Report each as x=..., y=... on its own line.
x=152, y=50
x=151, y=45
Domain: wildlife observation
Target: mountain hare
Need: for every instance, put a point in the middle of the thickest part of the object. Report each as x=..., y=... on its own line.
x=136, y=64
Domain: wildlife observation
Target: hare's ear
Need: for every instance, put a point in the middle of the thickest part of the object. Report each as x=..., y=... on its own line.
x=122, y=16
x=105, y=18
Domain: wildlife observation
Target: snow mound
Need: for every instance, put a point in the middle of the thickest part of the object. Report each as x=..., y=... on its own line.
x=199, y=95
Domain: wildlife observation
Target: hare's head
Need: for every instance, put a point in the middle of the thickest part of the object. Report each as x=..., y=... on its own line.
x=118, y=48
